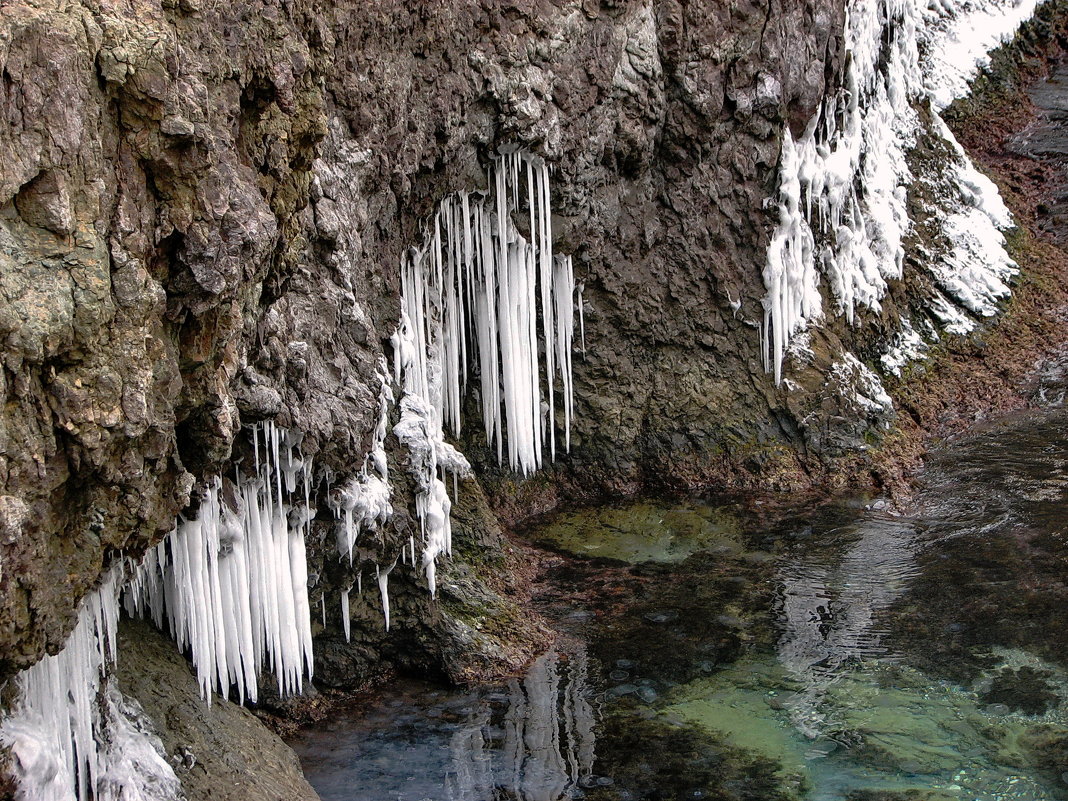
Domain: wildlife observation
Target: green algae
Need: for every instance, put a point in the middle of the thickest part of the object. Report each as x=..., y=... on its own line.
x=886, y=731
x=645, y=532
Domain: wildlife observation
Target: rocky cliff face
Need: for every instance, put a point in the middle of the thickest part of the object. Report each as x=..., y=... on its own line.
x=204, y=207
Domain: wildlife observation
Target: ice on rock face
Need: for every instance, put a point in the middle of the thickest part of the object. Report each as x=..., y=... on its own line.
x=960, y=35
x=364, y=502
x=134, y=760
x=480, y=295
x=479, y=298
x=842, y=211
x=908, y=345
x=232, y=583
x=867, y=390
x=67, y=747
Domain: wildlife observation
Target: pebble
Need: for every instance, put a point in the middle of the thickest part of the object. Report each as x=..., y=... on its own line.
x=661, y=617
x=997, y=709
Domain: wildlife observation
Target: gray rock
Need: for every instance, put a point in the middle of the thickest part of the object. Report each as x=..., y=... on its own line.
x=219, y=753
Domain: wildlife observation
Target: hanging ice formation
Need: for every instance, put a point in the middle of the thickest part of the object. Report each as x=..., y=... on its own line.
x=232, y=583
x=478, y=296
x=70, y=740
x=472, y=297
x=842, y=189
x=365, y=501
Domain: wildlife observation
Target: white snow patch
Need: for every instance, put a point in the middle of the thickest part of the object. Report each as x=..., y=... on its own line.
x=868, y=390
x=907, y=346
x=959, y=35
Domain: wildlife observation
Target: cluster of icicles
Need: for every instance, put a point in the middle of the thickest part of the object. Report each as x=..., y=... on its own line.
x=472, y=297
x=232, y=584
x=72, y=733
x=842, y=195
x=476, y=297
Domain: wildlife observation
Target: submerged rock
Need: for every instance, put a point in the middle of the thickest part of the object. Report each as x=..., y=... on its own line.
x=1023, y=690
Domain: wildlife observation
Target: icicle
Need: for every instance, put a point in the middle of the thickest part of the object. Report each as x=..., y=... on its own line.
x=346, y=623
x=473, y=294
x=66, y=746
x=580, y=287
x=383, y=589
x=488, y=279
x=842, y=197
x=234, y=583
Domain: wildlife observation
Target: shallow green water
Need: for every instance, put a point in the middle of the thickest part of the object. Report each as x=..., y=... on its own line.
x=728, y=651
x=645, y=531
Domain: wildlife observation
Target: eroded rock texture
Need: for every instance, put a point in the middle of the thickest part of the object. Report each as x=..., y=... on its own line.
x=204, y=209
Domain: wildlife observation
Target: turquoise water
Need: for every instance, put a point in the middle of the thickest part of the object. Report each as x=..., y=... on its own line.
x=736, y=650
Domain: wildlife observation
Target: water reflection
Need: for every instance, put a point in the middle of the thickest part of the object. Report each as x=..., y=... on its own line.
x=531, y=739
x=919, y=656
x=829, y=610
x=540, y=747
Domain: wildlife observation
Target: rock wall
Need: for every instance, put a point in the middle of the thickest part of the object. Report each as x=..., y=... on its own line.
x=204, y=207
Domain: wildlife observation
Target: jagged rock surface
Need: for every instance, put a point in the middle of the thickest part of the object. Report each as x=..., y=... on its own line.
x=204, y=207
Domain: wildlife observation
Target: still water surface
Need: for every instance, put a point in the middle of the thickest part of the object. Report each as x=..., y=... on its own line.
x=710, y=650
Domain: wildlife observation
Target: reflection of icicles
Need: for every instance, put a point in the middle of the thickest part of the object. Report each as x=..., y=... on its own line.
x=65, y=745
x=829, y=613
x=547, y=743
x=233, y=583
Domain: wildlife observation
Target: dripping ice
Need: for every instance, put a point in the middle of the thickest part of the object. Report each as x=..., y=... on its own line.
x=231, y=584
x=842, y=196
x=364, y=502
x=478, y=297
